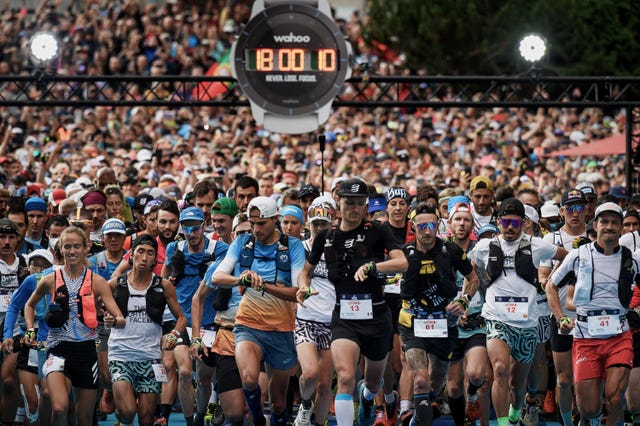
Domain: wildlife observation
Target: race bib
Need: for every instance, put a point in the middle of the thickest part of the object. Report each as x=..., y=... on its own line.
x=512, y=308
x=207, y=336
x=5, y=300
x=356, y=307
x=33, y=358
x=430, y=327
x=392, y=284
x=160, y=372
x=602, y=325
x=53, y=364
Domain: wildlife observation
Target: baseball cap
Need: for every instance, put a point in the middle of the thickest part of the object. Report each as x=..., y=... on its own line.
x=114, y=226
x=291, y=210
x=353, y=187
x=573, y=196
x=43, y=253
x=490, y=227
x=588, y=190
x=395, y=192
x=325, y=199
x=619, y=192
x=85, y=182
x=94, y=197
x=511, y=206
x=226, y=206
x=7, y=226
x=265, y=205
x=144, y=155
x=35, y=203
x=458, y=206
x=481, y=182
x=608, y=208
x=56, y=196
x=377, y=204
x=549, y=209
x=531, y=214
x=141, y=201
x=309, y=189
x=191, y=213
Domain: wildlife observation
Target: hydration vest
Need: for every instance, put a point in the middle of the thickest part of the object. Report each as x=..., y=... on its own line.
x=86, y=300
x=178, y=260
x=440, y=267
x=155, y=301
x=627, y=275
x=283, y=263
x=345, y=266
x=523, y=263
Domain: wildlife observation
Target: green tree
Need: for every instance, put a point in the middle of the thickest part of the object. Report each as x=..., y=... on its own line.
x=467, y=37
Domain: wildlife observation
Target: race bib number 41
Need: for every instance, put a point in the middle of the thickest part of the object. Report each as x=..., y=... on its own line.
x=512, y=308
x=356, y=307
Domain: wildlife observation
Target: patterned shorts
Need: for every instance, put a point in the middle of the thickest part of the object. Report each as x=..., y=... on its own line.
x=317, y=333
x=139, y=373
x=544, y=329
x=521, y=341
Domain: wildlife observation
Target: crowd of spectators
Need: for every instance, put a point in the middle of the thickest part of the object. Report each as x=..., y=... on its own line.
x=174, y=148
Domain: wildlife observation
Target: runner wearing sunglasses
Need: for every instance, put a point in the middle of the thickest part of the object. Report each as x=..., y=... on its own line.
x=508, y=264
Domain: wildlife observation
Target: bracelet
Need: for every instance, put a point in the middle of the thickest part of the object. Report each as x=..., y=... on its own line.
x=565, y=320
x=308, y=295
x=246, y=280
x=371, y=268
x=175, y=333
x=197, y=342
x=462, y=303
x=170, y=337
x=262, y=288
x=30, y=333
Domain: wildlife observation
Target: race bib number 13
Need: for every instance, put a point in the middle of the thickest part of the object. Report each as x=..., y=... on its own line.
x=356, y=307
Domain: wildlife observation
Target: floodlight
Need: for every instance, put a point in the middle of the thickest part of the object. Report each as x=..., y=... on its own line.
x=43, y=47
x=532, y=47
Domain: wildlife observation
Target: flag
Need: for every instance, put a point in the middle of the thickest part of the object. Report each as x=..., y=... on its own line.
x=208, y=90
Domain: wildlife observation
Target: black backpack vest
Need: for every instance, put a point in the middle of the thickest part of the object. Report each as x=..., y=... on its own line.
x=523, y=263
x=155, y=301
x=345, y=266
x=444, y=270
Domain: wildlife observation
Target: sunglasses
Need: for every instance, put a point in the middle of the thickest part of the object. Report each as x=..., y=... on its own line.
x=319, y=212
x=431, y=226
x=575, y=208
x=189, y=229
x=516, y=223
x=242, y=232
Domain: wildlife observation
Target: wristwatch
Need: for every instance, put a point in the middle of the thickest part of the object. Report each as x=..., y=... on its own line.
x=291, y=60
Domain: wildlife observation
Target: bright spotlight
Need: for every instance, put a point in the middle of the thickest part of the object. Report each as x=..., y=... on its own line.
x=532, y=47
x=43, y=47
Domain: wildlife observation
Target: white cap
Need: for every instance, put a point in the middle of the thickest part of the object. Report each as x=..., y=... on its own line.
x=325, y=199
x=609, y=207
x=44, y=253
x=144, y=155
x=549, y=209
x=531, y=214
x=268, y=206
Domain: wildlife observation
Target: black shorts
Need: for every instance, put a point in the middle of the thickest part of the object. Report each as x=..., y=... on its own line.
x=560, y=342
x=210, y=359
x=394, y=302
x=442, y=347
x=462, y=346
x=228, y=376
x=373, y=336
x=81, y=362
x=22, y=361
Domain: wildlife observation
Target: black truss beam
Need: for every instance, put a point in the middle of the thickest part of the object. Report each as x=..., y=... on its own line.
x=531, y=90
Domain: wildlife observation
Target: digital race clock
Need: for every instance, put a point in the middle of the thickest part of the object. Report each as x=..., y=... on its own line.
x=291, y=60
